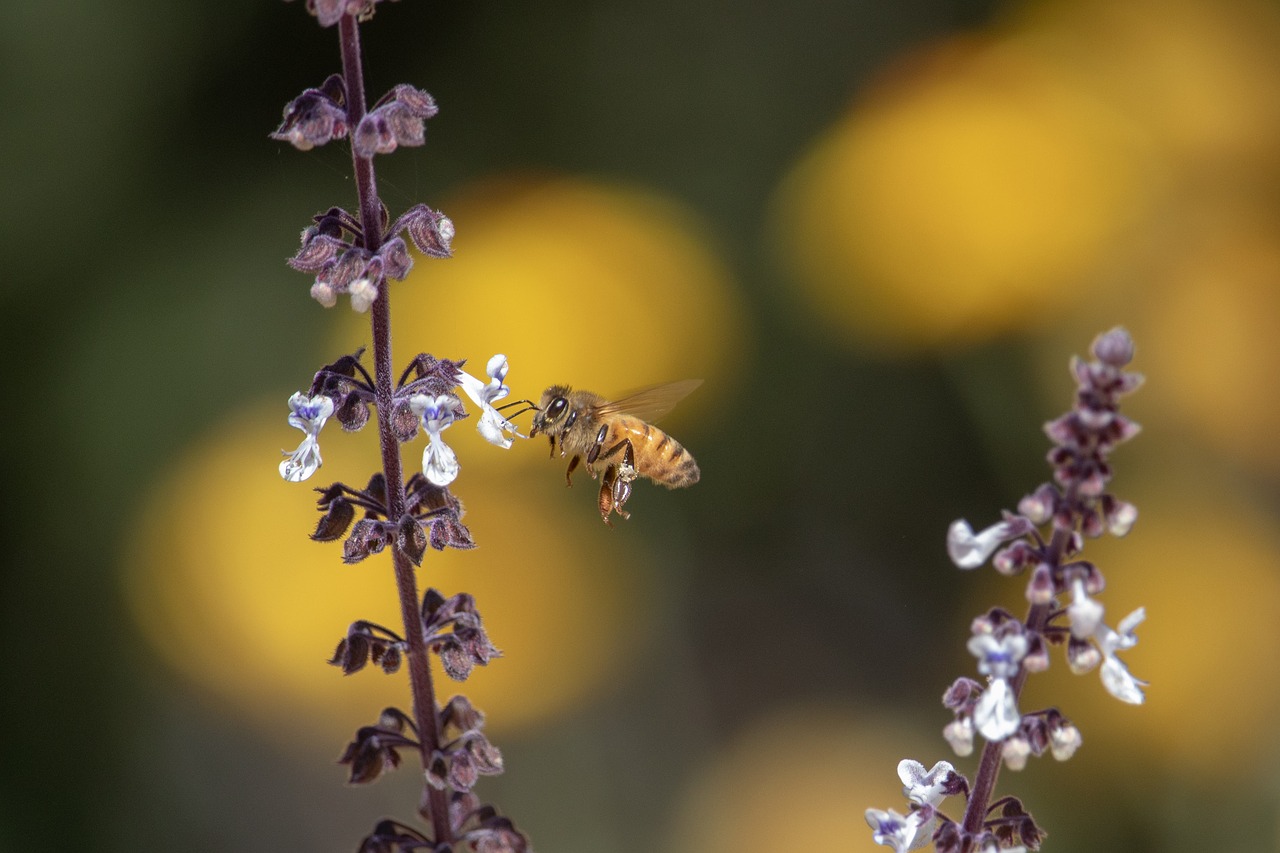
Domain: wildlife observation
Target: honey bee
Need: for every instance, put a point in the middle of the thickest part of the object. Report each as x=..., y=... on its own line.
x=616, y=439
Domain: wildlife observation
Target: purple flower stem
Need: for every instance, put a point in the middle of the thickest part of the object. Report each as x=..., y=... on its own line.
x=419, y=663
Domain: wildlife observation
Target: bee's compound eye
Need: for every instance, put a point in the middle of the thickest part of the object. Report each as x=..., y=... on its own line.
x=556, y=407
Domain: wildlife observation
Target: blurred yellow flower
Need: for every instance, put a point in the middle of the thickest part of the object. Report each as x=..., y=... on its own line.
x=959, y=197
x=799, y=780
x=1210, y=334
x=1200, y=77
x=589, y=284
x=228, y=588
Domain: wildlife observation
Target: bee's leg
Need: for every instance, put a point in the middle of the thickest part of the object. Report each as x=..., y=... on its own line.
x=594, y=452
x=568, y=475
x=606, y=495
x=552, y=439
x=625, y=444
x=622, y=485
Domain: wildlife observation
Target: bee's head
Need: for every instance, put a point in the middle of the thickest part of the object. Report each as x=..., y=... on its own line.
x=552, y=410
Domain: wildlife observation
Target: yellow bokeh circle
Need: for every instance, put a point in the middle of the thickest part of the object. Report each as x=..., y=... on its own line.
x=799, y=780
x=590, y=284
x=958, y=198
x=227, y=586
x=1209, y=331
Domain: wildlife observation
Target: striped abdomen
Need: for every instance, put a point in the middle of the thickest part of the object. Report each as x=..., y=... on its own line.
x=658, y=456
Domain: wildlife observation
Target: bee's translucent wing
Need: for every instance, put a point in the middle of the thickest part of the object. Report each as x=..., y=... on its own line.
x=649, y=404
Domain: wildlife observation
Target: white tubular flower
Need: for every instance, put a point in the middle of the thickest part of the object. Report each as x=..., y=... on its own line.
x=308, y=415
x=1064, y=740
x=1084, y=613
x=996, y=715
x=439, y=462
x=902, y=833
x=959, y=733
x=925, y=788
x=1014, y=753
x=998, y=658
x=362, y=292
x=1116, y=677
x=493, y=426
x=968, y=550
x=323, y=292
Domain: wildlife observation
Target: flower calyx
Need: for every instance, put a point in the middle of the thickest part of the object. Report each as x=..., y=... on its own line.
x=375, y=749
x=454, y=630
x=398, y=118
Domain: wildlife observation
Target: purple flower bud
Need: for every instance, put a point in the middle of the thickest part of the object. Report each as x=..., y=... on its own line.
x=317, y=250
x=1114, y=348
x=430, y=230
x=395, y=259
x=314, y=117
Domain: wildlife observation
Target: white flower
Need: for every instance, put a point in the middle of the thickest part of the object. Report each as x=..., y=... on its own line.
x=323, y=292
x=1084, y=612
x=1014, y=753
x=439, y=462
x=968, y=550
x=1116, y=677
x=921, y=787
x=1121, y=518
x=493, y=426
x=308, y=415
x=1064, y=740
x=996, y=715
x=998, y=658
x=959, y=733
x=363, y=292
x=902, y=833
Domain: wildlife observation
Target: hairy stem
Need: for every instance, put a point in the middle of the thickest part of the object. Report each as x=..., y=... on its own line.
x=419, y=662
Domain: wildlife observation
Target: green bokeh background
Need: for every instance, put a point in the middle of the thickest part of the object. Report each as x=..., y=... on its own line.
x=146, y=221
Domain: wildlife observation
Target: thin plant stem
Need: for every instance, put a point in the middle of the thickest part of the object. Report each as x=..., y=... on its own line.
x=419, y=663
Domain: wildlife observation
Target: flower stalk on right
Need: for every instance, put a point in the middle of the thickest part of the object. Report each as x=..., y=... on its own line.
x=1043, y=542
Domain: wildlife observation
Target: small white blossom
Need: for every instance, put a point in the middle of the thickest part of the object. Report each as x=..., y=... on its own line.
x=1084, y=613
x=1116, y=677
x=493, y=426
x=1064, y=740
x=1014, y=753
x=439, y=462
x=959, y=733
x=998, y=658
x=1121, y=518
x=308, y=415
x=996, y=715
x=900, y=832
x=923, y=787
x=323, y=292
x=363, y=292
x=969, y=550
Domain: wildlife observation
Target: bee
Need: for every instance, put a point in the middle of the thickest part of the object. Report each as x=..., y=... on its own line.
x=616, y=439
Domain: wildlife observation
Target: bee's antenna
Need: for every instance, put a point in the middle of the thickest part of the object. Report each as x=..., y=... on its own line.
x=529, y=406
